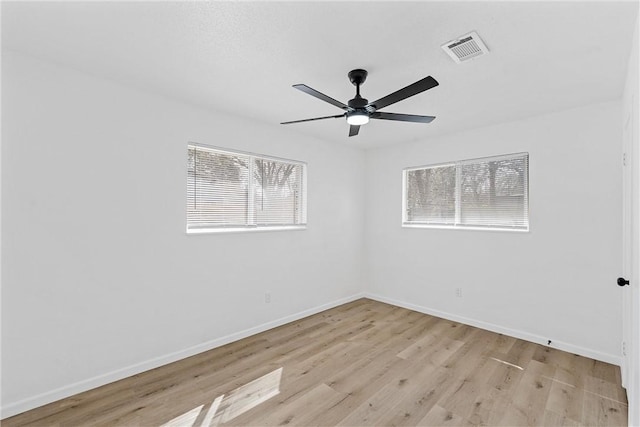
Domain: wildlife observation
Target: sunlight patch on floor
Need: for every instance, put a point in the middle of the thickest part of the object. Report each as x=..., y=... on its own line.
x=507, y=363
x=226, y=407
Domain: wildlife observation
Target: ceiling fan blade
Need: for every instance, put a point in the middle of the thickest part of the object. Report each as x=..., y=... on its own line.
x=402, y=117
x=353, y=130
x=320, y=95
x=310, y=120
x=404, y=93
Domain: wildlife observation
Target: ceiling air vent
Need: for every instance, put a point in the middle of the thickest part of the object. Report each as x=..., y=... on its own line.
x=465, y=47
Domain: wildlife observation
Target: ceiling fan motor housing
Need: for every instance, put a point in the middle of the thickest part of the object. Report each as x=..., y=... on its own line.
x=358, y=103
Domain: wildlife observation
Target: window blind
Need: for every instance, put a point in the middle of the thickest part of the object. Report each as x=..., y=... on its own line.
x=431, y=195
x=227, y=189
x=480, y=193
x=493, y=193
x=277, y=192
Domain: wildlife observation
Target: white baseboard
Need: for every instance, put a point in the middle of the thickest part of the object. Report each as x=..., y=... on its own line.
x=14, y=408
x=568, y=347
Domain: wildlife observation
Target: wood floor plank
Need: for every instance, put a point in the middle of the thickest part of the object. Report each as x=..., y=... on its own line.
x=530, y=397
x=373, y=410
x=425, y=394
x=597, y=411
x=296, y=380
x=439, y=416
x=362, y=363
x=553, y=419
x=303, y=410
x=565, y=400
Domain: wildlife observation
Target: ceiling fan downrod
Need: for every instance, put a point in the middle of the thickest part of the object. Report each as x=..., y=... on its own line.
x=358, y=77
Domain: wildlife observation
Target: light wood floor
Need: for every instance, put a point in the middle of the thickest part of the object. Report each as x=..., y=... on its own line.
x=360, y=364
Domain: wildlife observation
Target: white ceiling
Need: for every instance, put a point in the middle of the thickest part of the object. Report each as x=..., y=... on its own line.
x=243, y=57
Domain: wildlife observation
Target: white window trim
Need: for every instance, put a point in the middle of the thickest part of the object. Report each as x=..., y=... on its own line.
x=251, y=228
x=195, y=231
x=457, y=226
x=466, y=227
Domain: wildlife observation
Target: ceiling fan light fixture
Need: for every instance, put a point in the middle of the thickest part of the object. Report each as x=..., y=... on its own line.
x=358, y=118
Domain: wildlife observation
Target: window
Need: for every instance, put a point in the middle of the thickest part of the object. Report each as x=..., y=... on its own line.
x=492, y=192
x=229, y=190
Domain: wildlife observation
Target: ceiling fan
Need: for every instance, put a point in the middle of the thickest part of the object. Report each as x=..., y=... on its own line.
x=359, y=110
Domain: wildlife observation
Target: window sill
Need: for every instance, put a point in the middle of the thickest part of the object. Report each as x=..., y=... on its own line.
x=245, y=229
x=451, y=227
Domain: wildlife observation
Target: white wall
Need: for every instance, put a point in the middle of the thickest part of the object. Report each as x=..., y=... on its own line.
x=99, y=276
x=555, y=282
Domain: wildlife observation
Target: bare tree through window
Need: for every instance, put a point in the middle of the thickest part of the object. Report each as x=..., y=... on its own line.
x=489, y=192
x=226, y=189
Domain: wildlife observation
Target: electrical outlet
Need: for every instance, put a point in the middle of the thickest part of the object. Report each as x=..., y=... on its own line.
x=267, y=297
x=459, y=292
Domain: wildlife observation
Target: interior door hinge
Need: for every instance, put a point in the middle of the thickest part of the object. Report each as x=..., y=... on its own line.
x=624, y=159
